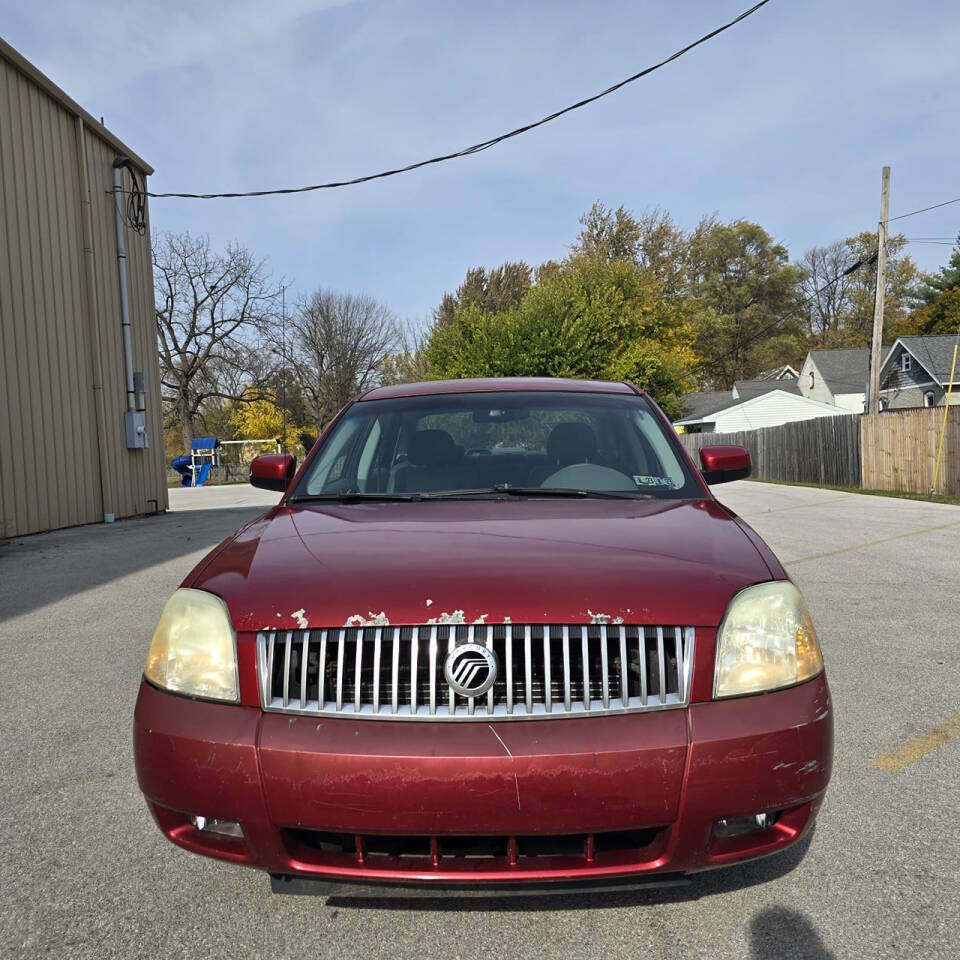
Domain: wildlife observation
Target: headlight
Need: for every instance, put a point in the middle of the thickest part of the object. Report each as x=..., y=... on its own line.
x=766, y=641
x=194, y=650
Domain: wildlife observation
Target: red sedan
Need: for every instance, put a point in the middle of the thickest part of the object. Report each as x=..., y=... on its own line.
x=496, y=632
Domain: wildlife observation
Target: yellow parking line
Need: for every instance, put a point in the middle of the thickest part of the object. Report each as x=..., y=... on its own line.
x=918, y=747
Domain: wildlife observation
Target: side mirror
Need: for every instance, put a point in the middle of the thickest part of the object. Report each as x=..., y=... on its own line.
x=723, y=464
x=273, y=471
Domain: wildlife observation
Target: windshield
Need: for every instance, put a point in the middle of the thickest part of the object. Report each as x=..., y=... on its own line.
x=474, y=444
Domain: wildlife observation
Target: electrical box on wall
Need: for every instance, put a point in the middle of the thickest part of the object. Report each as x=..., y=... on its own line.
x=135, y=425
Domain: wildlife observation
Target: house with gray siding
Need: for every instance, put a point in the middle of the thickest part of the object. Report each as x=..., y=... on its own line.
x=837, y=377
x=916, y=373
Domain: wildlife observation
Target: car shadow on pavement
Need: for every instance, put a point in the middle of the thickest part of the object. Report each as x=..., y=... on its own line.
x=706, y=884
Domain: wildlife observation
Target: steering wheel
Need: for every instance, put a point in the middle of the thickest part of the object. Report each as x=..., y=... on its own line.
x=589, y=476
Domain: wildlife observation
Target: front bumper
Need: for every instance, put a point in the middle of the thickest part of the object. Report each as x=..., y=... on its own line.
x=590, y=784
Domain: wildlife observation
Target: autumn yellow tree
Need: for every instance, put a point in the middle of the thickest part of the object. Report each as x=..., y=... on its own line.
x=258, y=416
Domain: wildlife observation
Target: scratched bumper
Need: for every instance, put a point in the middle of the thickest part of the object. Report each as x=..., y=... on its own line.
x=677, y=771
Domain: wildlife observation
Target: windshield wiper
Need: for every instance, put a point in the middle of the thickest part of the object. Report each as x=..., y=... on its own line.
x=351, y=496
x=498, y=489
x=513, y=491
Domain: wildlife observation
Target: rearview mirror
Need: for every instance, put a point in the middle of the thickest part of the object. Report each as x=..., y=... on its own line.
x=273, y=471
x=723, y=464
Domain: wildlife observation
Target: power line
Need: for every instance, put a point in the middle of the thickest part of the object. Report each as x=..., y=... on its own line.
x=483, y=145
x=935, y=206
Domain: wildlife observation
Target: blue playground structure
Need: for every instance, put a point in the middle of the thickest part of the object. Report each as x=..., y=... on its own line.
x=194, y=467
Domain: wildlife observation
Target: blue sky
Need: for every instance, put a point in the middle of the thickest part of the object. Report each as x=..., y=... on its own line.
x=786, y=120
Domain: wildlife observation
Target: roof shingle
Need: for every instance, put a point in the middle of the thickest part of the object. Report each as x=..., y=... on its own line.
x=935, y=353
x=844, y=370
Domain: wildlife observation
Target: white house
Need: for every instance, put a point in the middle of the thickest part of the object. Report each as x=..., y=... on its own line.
x=837, y=377
x=722, y=413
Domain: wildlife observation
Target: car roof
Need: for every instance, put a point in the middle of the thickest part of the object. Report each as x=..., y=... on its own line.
x=495, y=385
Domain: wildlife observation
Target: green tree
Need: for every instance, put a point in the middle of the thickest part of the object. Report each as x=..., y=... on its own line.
x=945, y=279
x=588, y=318
x=493, y=291
x=942, y=315
x=902, y=278
x=608, y=235
x=652, y=241
x=743, y=299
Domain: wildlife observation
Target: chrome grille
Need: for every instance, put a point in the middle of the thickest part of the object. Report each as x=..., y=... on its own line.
x=396, y=672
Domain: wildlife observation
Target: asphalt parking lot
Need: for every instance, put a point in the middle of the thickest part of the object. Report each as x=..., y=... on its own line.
x=84, y=872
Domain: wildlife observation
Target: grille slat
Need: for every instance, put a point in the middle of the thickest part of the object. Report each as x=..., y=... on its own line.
x=377, y=647
x=414, y=656
x=304, y=663
x=286, y=668
x=341, y=651
x=433, y=670
x=585, y=655
x=561, y=670
x=528, y=667
x=624, y=690
x=509, y=659
x=547, y=682
x=471, y=638
x=395, y=674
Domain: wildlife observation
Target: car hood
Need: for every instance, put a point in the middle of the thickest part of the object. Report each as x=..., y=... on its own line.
x=524, y=560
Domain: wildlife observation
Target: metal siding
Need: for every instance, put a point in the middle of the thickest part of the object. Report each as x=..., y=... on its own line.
x=770, y=411
x=140, y=475
x=49, y=460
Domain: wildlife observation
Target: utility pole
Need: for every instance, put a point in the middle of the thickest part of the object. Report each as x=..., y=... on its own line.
x=877, y=341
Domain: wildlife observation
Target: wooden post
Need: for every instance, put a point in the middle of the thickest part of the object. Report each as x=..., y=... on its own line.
x=946, y=411
x=877, y=340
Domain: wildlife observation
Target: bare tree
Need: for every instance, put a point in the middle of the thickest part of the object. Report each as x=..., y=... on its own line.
x=209, y=305
x=335, y=345
x=840, y=280
x=829, y=301
x=409, y=363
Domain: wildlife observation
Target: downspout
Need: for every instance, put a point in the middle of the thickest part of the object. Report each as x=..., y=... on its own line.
x=118, y=166
x=96, y=366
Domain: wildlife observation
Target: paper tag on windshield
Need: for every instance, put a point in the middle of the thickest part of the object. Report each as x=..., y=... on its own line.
x=642, y=480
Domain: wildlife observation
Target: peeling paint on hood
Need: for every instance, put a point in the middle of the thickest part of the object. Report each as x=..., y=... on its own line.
x=372, y=620
x=302, y=621
x=604, y=618
x=455, y=617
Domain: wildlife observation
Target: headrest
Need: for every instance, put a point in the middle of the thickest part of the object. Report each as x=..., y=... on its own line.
x=432, y=448
x=571, y=442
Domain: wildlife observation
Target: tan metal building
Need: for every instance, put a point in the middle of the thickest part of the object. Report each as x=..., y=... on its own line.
x=72, y=433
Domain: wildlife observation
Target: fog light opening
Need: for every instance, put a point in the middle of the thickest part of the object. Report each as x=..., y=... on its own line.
x=225, y=828
x=728, y=827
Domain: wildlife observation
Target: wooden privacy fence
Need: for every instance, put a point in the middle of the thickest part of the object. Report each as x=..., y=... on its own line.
x=822, y=450
x=900, y=451
x=896, y=450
